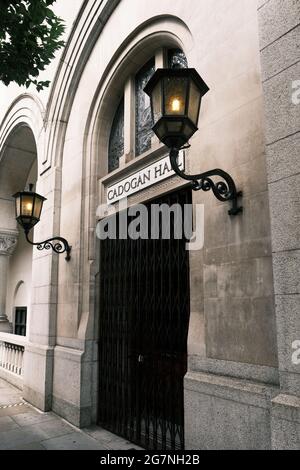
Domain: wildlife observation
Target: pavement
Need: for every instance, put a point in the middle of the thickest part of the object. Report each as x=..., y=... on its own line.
x=23, y=427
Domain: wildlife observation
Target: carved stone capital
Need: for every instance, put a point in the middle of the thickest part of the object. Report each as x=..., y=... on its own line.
x=8, y=242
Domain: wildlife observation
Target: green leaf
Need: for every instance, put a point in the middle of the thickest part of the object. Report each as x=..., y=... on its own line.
x=30, y=35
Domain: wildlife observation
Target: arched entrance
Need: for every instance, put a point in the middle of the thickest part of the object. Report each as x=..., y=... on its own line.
x=18, y=168
x=143, y=288
x=144, y=319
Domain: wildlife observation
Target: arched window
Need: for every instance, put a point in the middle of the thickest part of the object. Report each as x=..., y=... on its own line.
x=137, y=115
x=177, y=59
x=116, y=139
x=143, y=119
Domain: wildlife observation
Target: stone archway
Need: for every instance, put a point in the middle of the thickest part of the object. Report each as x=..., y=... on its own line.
x=18, y=167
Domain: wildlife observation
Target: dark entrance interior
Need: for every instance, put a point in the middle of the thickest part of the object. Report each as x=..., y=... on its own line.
x=144, y=317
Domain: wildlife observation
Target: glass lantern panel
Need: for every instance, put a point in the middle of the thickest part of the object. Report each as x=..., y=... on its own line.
x=175, y=95
x=27, y=205
x=38, y=204
x=116, y=139
x=157, y=102
x=18, y=206
x=194, y=102
x=143, y=115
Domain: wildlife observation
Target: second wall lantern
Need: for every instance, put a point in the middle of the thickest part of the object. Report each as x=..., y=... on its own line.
x=29, y=206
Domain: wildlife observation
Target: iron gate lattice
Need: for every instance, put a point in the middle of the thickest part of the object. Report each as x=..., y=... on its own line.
x=144, y=317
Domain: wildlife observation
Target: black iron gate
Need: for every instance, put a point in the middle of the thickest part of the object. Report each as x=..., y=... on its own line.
x=144, y=316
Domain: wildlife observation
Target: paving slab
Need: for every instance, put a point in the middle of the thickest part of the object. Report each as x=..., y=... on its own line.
x=112, y=441
x=101, y=434
x=33, y=417
x=9, y=398
x=50, y=429
x=17, y=437
x=31, y=446
x=22, y=427
x=7, y=424
x=14, y=410
x=74, y=441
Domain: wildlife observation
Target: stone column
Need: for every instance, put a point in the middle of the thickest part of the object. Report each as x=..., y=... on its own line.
x=279, y=22
x=8, y=241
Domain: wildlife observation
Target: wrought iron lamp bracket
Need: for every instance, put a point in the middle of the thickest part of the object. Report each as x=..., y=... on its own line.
x=223, y=190
x=58, y=244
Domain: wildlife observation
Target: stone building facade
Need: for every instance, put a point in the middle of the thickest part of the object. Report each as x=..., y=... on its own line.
x=241, y=388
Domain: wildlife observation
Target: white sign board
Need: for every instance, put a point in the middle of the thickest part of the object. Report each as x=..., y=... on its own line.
x=143, y=178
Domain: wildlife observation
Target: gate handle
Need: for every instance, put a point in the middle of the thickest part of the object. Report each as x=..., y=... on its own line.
x=140, y=359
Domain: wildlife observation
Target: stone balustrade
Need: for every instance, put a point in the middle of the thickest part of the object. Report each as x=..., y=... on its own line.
x=12, y=349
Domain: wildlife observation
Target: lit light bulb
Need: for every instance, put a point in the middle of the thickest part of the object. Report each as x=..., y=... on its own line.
x=176, y=104
x=28, y=208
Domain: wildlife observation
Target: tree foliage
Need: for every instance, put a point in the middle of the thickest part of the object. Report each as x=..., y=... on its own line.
x=30, y=35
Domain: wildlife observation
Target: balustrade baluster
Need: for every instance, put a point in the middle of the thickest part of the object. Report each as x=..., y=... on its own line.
x=8, y=356
x=1, y=353
x=11, y=355
x=22, y=362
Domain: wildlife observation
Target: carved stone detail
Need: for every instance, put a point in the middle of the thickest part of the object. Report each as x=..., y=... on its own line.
x=8, y=242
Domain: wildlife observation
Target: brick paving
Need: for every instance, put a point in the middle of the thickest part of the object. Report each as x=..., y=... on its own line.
x=22, y=427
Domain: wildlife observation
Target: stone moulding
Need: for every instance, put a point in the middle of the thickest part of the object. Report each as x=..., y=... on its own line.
x=8, y=242
x=25, y=110
x=88, y=26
